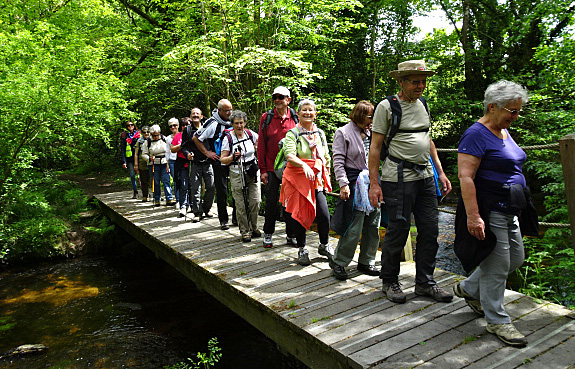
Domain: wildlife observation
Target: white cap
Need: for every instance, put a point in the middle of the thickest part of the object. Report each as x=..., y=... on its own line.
x=281, y=90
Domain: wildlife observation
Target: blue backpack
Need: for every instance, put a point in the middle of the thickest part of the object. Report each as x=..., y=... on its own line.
x=226, y=133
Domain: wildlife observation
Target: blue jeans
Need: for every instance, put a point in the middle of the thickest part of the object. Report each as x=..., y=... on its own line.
x=130, y=165
x=198, y=172
x=420, y=198
x=161, y=174
x=174, y=175
x=181, y=177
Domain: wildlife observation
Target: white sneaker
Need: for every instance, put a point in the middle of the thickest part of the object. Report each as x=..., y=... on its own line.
x=268, y=243
x=182, y=212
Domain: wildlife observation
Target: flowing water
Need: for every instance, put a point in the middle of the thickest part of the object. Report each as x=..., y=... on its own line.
x=124, y=309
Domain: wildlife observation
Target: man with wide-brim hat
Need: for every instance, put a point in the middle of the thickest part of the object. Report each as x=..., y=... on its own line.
x=407, y=184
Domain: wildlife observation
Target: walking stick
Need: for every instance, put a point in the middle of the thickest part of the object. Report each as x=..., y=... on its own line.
x=245, y=189
x=153, y=181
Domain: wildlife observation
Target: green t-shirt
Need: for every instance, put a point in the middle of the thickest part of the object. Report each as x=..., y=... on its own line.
x=413, y=147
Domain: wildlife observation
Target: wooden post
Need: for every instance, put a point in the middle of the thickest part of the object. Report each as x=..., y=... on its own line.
x=567, y=150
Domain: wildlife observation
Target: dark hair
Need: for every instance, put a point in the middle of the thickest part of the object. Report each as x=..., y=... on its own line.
x=185, y=121
x=360, y=111
x=239, y=115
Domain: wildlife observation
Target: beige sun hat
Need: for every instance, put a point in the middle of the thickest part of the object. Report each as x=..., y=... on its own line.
x=411, y=67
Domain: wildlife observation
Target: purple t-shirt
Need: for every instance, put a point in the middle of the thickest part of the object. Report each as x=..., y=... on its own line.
x=501, y=160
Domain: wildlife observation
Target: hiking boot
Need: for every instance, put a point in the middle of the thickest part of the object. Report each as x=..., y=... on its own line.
x=394, y=293
x=474, y=304
x=135, y=196
x=268, y=243
x=224, y=226
x=338, y=271
x=246, y=238
x=433, y=291
x=182, y=212
x=508, y=334
x=256, y=233
x=207, y=215
x=291, y=240
x=303, y=257
x=170, y=202
x=156, y=203
x=145, y=199
x=325, y=250
x=368, y=269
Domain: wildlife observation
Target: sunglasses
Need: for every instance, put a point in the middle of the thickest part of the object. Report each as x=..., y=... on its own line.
x=278, y=97
x=145, y=132
x=129, y=125
x=417, y=82
x=513, y=112
x=155, y=135
x=173, y=125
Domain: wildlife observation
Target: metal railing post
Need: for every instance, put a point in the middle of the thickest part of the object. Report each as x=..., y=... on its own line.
x=567, y=150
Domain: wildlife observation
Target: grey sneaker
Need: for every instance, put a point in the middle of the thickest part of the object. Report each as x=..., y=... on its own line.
x=474, y=304
x=394, y=293
x=303, y=257
x=338, y=271
x=268, y=243
x=508, y=334
x=325, y=250
x=291, y=240
x=433, y=291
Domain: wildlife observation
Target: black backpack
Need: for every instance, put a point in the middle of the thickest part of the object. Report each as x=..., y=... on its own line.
x=270, y=115
x=396, y=121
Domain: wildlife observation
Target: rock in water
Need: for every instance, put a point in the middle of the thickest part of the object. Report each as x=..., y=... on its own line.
x=24, y=350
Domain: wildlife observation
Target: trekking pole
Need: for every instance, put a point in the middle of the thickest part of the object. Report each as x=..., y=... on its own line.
x=153, y=180
x=245, y=189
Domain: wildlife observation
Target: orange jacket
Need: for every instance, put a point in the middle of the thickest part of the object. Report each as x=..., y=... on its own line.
x=298, y=193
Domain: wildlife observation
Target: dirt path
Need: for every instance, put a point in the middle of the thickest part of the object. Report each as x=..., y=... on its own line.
x=95, y=184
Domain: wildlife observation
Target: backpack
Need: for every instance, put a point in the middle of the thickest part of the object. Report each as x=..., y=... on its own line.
x=149, y=140
x=396, y=121
x=281, y=160
x=227, y=133
x=270, y=115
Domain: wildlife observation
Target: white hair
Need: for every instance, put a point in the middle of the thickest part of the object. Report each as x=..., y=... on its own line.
x=306, y=102
x=155, y=128
x=173, y=121
x=502, y=93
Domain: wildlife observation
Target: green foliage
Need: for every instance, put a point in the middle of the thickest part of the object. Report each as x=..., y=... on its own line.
x=549, y=268
x=205, y=360
x=35, y=218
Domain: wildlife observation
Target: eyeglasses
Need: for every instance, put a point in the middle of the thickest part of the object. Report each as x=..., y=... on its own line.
x=173, y=125
x=278, y=97
x=417, y=82
x=513, y=112
x=145, y=132
x=225, y=110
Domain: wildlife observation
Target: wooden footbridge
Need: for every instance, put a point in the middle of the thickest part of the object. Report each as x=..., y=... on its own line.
x=326, y=323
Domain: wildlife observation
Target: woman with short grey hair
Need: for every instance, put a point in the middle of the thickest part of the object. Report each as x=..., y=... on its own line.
x=155, y=152
x=488, y=238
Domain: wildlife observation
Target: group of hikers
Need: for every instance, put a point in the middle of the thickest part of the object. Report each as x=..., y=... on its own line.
x=384, y=156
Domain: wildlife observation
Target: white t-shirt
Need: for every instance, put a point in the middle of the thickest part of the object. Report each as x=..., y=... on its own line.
x=171, y=155
x=246, y=146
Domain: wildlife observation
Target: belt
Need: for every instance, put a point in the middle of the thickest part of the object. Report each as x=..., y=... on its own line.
x=419, y=168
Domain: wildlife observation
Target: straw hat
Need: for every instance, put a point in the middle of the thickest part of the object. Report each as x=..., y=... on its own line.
x=411, y=67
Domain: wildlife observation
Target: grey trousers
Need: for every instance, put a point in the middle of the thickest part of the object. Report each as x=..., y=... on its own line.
x=246, y=222
x=487, y=282
x=366, y=227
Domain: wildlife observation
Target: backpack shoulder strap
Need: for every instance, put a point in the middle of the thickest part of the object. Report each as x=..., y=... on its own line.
x=269, y=116
x=424, y=102
x=294, y=115
x=395, y=117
